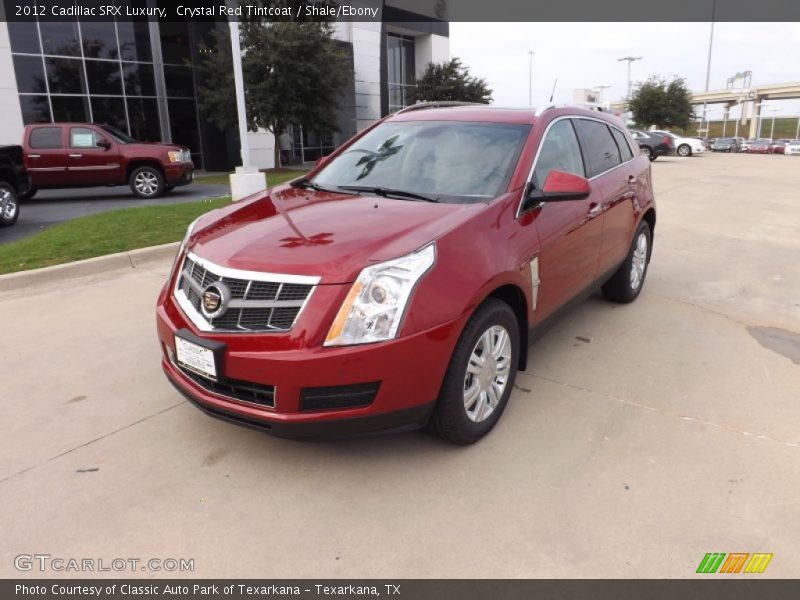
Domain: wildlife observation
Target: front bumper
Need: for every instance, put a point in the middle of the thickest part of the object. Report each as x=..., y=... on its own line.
x=409, y=371
x=178, y=174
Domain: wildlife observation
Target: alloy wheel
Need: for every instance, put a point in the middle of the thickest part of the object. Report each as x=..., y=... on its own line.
x=8, y=204
x=146, y=183
x=639, y=261
x=487, y=373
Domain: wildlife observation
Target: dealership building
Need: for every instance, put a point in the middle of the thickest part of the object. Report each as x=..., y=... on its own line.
x=140, y=76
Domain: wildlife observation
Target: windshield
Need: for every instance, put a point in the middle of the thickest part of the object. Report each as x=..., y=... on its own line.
x=122, y=138
x=724, y=140
x=452, y=161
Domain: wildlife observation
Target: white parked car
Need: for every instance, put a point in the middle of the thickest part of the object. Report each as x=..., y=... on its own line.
x=792, y=147
x=685, y=146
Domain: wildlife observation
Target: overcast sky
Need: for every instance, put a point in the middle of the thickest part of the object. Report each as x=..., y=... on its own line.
x=584, y=55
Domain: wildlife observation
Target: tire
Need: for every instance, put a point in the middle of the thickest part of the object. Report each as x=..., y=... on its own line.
x=9, y=205
x=647, y=152
x=168, y=188
x=147, y=182
x=28, y=195
x=684, y=150
x=457, y=419
x=624, y=286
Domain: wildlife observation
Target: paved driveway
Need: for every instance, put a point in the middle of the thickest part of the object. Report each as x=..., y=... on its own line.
x=672, y=432
x=54, y=206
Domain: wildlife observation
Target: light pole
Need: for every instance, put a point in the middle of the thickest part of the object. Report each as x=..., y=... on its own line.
x=708, y=62
x=600, y=89
x=797, y=132
x=530, y=77
x=629, y=60
x=772, y=129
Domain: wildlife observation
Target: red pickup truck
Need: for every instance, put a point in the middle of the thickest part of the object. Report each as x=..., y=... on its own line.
x=63, y=155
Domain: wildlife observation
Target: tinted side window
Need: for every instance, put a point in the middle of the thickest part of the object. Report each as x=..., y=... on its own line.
x=46, y=137
x=560, y=152
x=622, y=143
x=598, y=145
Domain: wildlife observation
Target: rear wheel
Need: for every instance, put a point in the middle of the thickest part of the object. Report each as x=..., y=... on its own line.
x=684, y=150
x=147, y=182
x=480, y=375
x=626, y=283
x=647, y=152
x=9, y=206
x=29, y=194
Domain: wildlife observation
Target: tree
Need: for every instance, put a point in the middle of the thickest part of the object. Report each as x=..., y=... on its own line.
x=451, y=80
x=661, y=103
x=293, y=74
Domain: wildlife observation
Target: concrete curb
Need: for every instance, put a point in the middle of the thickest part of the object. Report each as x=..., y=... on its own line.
x=91, y=266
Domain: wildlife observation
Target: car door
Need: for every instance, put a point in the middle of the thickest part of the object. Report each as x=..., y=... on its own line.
x=569, y=232
x=45, y=157
x=93, y=159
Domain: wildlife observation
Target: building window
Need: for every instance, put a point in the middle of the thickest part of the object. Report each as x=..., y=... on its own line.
x=401, y=71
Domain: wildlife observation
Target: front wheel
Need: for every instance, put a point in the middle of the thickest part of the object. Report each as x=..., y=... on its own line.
x=684, y=150
x=626, y=283
x=9, y=206
x=147, y=182
x=480, y=376
x=648, y=153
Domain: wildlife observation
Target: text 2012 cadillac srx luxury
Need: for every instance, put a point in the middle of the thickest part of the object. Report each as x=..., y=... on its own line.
x=398, y=283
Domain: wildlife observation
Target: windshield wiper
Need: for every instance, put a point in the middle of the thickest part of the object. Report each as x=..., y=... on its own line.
x=385, y=192
x=310, y=185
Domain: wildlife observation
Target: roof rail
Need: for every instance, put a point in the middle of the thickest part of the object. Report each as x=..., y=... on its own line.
x=587, y=105
x=436, y=104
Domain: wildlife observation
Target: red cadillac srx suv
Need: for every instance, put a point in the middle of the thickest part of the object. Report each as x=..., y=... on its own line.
x=399, y=282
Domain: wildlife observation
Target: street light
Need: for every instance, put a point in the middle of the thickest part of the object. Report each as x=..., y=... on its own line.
x=708, y=62
x=772, y=129
x=629, y=60
x=600, y=89
x=530, y=77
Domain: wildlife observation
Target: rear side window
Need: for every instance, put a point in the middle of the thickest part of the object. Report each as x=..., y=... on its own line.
x=622, y=144
x=45, y=137
x=598, y=145
x=560, y=152
x=82, y=137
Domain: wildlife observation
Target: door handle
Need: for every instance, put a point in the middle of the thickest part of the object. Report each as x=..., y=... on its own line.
x=594, y=209
x=632, y=179
x=75, y=155
x=34, y=155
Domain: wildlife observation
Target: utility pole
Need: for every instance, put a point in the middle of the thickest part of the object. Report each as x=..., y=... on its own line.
x=530, y=77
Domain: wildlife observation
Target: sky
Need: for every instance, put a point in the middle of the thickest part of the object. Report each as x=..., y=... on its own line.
x=584, y=55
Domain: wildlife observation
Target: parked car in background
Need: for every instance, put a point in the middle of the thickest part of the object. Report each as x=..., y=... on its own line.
x=792, y=148
x=64, y=155
x=745, y=144
x=14, y=182
x=354, y=299
x=778, y=146
x=725, y=145
x=760, y=146
x=653, y=145
x=684, y=146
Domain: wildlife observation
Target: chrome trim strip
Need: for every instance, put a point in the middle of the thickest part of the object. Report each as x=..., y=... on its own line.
x=541, y=142
x=229, y=273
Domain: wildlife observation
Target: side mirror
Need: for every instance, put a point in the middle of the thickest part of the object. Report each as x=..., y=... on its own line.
x=104, y=144
x=560, y=187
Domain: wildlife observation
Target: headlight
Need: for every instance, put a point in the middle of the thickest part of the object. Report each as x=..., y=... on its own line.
x=185, y=240
x=179, y=156
x=375, y=305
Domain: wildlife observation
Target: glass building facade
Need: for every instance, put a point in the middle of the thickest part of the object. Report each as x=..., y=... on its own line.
x=401, y=66
x=134, y=75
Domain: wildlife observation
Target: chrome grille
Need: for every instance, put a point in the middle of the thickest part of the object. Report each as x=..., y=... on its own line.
x=255, y=305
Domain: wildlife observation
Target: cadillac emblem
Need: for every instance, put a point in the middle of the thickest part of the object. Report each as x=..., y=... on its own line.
x=214, y=300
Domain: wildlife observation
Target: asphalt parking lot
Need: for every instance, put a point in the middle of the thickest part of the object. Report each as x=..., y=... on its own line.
x=640, y=438
x=49, y=207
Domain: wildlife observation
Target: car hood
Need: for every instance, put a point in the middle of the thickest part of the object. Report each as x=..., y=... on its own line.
x=150, y=146
x=332, y=236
